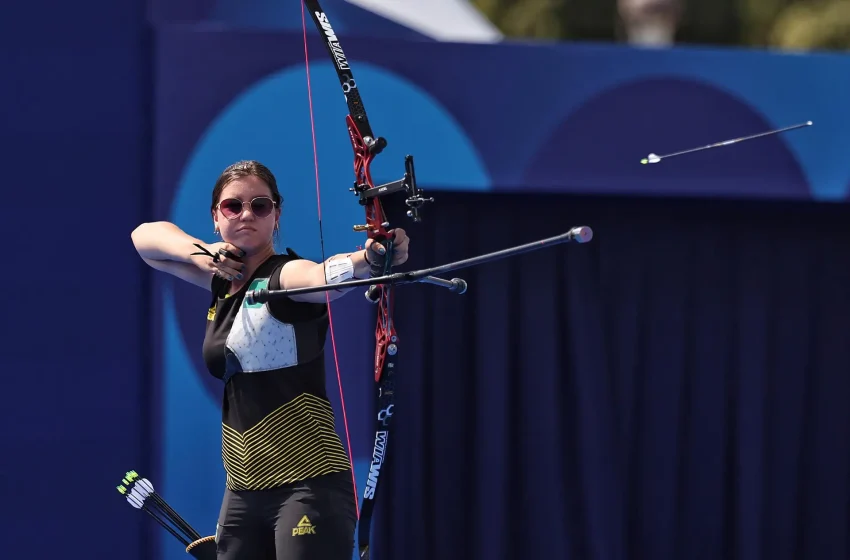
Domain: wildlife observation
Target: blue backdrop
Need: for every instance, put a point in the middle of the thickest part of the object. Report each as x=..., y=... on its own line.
x=77, y=363
x=688, y=363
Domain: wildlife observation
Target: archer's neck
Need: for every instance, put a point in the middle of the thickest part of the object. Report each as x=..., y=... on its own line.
x=252, y=261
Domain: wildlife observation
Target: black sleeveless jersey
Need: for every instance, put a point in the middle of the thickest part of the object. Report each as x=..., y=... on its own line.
x=277, y=422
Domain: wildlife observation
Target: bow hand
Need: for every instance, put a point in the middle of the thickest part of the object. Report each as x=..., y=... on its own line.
x=393, y=250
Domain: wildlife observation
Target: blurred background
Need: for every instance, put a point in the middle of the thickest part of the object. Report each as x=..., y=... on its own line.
x=780, y=25
x=677, y=388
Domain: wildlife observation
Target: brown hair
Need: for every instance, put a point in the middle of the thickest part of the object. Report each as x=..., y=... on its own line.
x=242, y=169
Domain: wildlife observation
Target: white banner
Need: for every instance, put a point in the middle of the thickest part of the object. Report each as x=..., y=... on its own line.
x=443, y=20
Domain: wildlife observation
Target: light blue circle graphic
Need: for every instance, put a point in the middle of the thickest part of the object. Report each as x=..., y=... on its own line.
x=271, y=123
x=192, y=471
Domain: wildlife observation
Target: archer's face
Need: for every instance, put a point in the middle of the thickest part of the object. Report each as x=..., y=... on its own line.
x=245, y=215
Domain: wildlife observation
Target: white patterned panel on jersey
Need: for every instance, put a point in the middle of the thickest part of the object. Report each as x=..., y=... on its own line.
x=258, y=340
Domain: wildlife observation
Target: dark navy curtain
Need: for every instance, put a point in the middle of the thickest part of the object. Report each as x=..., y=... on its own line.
x=677, y=389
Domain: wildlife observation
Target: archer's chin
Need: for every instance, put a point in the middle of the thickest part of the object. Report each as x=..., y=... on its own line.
x=249, y=241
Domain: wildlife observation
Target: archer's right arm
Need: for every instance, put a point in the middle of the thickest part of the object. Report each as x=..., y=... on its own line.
x=165, y=247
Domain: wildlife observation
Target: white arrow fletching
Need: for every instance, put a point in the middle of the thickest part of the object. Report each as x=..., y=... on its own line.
x=146, y=487
x=135, y=500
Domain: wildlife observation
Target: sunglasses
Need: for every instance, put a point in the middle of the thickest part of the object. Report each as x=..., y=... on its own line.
x=232, y=208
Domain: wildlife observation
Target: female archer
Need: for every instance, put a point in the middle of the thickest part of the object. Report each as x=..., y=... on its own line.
x=288, y=490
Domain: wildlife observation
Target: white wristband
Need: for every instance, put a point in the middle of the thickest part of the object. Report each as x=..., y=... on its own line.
x=339, y=270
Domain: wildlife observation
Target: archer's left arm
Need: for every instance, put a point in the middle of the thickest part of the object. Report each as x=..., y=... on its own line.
x=303, y=273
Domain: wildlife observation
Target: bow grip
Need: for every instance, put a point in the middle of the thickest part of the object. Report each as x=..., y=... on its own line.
x=379, y=267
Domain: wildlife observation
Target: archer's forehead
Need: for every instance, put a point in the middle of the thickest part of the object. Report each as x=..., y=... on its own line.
x=246, y=188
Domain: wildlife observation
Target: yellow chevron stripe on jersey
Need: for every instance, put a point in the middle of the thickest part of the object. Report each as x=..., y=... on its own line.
x=294, y=442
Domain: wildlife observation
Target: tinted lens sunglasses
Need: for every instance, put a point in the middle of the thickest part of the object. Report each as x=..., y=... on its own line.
x=232, y=208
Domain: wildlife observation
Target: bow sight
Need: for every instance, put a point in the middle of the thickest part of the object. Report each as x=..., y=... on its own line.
x=414, y=200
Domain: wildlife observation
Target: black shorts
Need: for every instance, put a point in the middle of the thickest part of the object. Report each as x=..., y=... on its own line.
x=309, y=520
